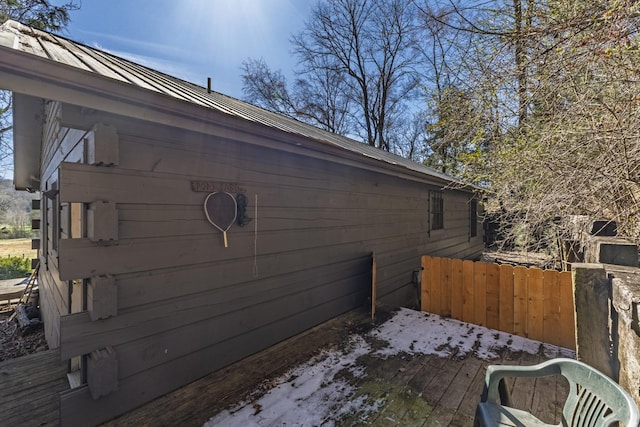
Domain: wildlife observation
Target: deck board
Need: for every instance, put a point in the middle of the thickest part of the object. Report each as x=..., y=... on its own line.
x=29, y=395
x=418, y=390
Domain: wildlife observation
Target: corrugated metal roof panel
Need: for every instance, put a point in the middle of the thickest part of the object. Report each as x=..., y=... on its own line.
x=17, y=36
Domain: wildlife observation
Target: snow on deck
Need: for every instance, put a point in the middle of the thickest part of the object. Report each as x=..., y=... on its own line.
x=323, y=391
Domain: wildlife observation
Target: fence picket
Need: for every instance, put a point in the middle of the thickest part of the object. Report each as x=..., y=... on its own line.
x=468, y=302
x=445, y=281
x=480, y=293
x=436, y=287
x=506, y=298
x=523, y=301
x=567, y=311
x=535, y=294
x=520, y=301
x=551, y=307
x=457, y=289
x=493, y=296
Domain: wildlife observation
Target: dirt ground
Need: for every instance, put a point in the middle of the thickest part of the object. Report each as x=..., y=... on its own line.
x=12, y=344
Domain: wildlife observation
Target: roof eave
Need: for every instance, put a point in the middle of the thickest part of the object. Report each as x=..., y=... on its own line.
x=31, y=75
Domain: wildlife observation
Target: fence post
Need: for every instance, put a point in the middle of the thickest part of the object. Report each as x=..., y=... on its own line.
x=591, y=288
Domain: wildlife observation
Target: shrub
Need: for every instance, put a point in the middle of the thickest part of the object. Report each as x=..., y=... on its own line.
x=14, y=266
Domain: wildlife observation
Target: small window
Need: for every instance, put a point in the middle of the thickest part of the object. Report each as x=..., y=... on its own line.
x=437, y=210
x=473, y=218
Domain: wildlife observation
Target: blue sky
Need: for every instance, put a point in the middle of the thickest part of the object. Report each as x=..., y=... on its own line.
x=194, y=39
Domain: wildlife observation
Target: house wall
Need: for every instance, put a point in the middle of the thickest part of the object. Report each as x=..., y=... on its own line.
x=60, y=144
x=182, y=304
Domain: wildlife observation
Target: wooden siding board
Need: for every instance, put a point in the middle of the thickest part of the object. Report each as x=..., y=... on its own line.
x=173, y=221
x=85, y=183
x=82, y=258
x=50, y=316
x=78, y=408
x=51, y=130
x=158, y=285
x=80, y=335
x=142, y=354
x=231, y=128
x=69, y=148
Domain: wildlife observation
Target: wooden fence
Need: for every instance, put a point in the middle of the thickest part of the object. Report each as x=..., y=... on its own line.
x=529, y=302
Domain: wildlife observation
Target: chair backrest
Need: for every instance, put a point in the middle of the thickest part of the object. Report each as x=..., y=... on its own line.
x=594, y=400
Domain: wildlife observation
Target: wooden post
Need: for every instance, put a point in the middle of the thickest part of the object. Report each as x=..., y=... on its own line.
x=102, y=221
x=591, y=289
x=102, y=297
x=102, y=372
x=374, y=271
x=425, y=290
x=103, y=146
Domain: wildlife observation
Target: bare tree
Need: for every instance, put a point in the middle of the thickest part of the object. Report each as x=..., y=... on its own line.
x=321, y=100
x=554, y=85
x=371, y=44
x=317, y=99
x=266, y=88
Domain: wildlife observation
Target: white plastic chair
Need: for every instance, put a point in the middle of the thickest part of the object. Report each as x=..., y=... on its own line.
x=594, y=399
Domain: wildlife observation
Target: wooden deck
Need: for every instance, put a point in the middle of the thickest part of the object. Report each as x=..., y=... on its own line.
x=29, y=388
x=416, y=391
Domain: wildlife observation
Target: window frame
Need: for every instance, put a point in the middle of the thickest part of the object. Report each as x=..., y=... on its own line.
x=436, y=210
x=473, y=218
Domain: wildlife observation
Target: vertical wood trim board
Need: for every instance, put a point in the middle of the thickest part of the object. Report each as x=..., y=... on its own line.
x=528, y=302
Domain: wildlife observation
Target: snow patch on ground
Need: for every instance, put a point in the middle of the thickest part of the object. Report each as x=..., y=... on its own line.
x=414, y=332
x=318, y=393
x=311, y=394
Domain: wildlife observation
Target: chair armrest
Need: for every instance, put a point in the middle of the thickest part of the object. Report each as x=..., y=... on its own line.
x=496, y=373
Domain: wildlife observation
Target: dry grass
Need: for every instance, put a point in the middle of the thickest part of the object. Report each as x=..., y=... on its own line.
x=17, y=247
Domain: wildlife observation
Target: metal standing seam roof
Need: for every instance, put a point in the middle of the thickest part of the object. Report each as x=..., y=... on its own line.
x=59, y=49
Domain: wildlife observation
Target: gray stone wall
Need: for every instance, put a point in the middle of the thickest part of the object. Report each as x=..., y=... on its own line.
x=626, y=343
